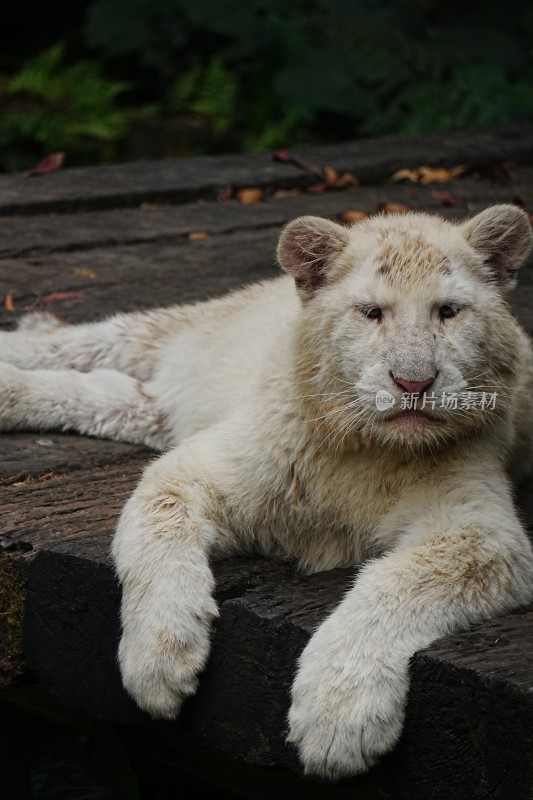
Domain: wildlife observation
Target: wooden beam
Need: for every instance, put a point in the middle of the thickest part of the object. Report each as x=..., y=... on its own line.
x=181, y=180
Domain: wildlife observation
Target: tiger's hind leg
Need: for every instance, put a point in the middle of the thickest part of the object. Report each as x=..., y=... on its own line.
x=103, y=403
x=126, y=342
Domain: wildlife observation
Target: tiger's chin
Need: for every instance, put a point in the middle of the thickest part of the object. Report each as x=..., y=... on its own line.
x=416, y=430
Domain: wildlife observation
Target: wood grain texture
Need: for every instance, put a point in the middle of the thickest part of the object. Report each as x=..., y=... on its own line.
x=71, y=627
x=139, y=276
x=47, y=233
x=25, y=457
x=177, y=181
x=471, y=707
x=85, y=503
x=265, y=631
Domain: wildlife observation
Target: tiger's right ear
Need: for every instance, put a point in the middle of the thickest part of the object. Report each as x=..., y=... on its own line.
x=307, y=248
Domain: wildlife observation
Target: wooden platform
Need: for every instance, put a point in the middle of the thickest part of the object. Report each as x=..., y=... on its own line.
x=89, y=242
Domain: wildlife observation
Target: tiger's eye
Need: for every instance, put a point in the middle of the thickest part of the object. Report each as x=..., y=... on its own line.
x=373, y=313
x=446, y=312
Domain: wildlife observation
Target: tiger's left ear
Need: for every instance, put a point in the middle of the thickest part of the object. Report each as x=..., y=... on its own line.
x=503, y=236
x=307, y=248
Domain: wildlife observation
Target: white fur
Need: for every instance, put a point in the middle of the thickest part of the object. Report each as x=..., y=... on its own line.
x=268, y=398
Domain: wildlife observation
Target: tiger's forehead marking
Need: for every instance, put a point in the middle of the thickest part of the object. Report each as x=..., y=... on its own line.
x=404, y=256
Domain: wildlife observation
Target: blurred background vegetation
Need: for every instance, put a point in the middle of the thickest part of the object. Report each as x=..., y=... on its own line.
x=111, y=80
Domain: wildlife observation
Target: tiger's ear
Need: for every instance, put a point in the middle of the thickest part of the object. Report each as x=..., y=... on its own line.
x=307, y=248
x=503, y=236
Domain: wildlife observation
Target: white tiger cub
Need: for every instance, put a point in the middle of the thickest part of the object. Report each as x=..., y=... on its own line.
x=287, y=408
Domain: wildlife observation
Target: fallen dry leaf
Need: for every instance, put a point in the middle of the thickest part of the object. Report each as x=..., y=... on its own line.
x=448, y=199
x=29, y=478
x=328, y=176
x=429, y=175
x=24, y=477
x=286, y=156
x=83, y=272
x=405, y=175
x=281, y=193
x=9, y=303
x=250, y=196
x=333, y=181
x=392, y=208
x=50, y=164
x=351, y=217
x=336, y=181
x=225, y=194
x=282, y=155
x=425, y=175
x=17, y=480
x=331, y=175
x=345, y=180
x=316, y=188
x=57, y=297
x=499, y=173
x=198, y=235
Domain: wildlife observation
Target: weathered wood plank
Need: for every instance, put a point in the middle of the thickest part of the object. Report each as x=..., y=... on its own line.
x=372, y=160
x=123, y=185
x=141, y=276
x=46, y=234
x=77, y=663
x=178, y=753
x=38, y=497
x=471, y=707
x=183, y=752
x=469, y=726
x=470, y=715
x=37, y=234
x=75, y=505
x=71, y=627
x=265, y=631
x=35, y=456
x=375, y=160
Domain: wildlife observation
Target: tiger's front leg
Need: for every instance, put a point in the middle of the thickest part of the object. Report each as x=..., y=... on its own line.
x=162, y=547
x=461, y=557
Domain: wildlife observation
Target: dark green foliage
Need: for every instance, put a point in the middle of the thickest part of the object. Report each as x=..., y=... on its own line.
x=48, y=107
x=210, y=92
x=291, y=70
x=266, y=73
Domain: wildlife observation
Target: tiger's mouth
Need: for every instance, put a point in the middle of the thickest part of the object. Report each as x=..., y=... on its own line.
x=412, y=414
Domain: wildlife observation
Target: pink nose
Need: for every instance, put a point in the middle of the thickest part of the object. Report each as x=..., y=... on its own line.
x=414, y=387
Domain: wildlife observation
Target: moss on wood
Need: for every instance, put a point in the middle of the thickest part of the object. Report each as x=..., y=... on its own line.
x=12, y=596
